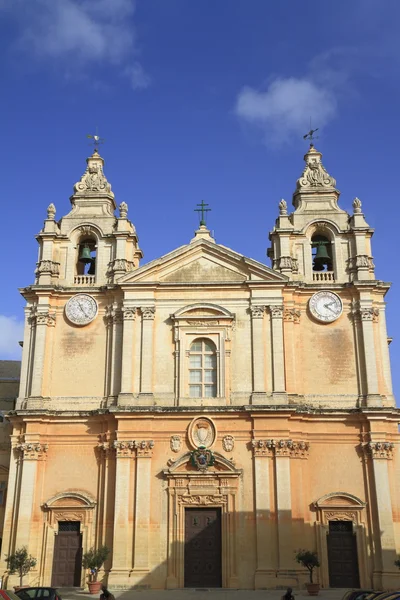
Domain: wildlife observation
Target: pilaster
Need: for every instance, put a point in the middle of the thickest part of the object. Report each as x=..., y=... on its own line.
x=380, y=452
x=146, y=387
x=144, y=452
x=44, y=318
x=369, y=315
x=278, y=355
x=257, y=312
x=125, y=397
x=30, y=454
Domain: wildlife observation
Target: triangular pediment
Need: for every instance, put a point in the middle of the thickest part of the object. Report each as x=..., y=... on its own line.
x=202, y=262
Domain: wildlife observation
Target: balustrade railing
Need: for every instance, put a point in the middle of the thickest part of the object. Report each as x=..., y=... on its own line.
x=323, y=276
x=85, y=279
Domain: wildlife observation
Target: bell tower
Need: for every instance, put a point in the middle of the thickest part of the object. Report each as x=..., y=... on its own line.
x=89, y=246
x=326, y=255
x=319, y=242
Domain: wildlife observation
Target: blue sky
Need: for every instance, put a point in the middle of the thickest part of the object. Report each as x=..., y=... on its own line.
x=197, y=99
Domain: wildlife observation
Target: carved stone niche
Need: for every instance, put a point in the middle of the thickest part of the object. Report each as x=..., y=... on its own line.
x=190, y=488
x=341, y=506
x=70, y=506
x=67, y=506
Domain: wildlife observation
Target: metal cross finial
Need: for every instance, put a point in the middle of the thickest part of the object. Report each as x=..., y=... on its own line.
x=310, y=135
x=202, y=210
x=96, y=139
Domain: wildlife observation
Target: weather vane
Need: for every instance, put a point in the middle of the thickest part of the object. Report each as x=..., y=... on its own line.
x=96, y=139
x=202, y=210
x=310, y=135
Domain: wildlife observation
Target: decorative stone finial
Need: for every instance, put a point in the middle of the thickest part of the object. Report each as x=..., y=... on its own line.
x=357, y=205
x=283, y=207
x=93, y=181
x=123, y=210
x=51, y=212
x=315, y=175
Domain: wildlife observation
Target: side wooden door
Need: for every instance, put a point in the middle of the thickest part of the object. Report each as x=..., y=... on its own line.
x=67, y=561
x=203, y=548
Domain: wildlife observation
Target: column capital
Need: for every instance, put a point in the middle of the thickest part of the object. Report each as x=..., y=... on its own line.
x=378, y=450
x=369, y=314
x=257, y=311
x=292, y=315
x=148, y=312
x=279, y=448
x=46, y=318
x=133, y=448
x=32, y=450
x=276, y=311
x=129, y=313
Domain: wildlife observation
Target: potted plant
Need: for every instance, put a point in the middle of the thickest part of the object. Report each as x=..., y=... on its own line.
x=397, y=562
x=309, y=560
x=20, y=562
x=93, y=560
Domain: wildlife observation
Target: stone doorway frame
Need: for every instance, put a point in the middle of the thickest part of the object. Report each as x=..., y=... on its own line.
x=66, y=506
x=214, y=488
x=341, y=506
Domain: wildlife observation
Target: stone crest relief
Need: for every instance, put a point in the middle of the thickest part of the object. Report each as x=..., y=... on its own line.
x=175, y=443
x=228, y=443
x=202, y=432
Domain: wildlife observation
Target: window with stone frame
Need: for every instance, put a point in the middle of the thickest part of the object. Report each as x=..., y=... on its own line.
x=202, y=369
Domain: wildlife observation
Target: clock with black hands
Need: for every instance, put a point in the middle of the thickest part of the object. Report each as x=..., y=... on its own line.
x=325, y=306
x=81, y=309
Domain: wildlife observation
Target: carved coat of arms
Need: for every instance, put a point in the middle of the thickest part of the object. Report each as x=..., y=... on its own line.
x=202, y=458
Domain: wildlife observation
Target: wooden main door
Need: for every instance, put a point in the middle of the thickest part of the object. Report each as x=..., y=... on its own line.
x=67, y=562
x=203, y=547
x=342, y=555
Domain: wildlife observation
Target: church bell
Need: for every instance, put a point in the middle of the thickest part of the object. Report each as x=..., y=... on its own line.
x=321, y=257
x=85, y=256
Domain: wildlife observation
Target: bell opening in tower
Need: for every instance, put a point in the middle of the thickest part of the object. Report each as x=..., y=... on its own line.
x=321, y=253
x=86, y=263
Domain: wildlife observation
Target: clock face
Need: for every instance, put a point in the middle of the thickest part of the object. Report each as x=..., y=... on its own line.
x=325, y=306
x=81, y=309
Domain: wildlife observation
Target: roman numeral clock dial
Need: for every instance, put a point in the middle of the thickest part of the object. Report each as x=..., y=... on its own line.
x=81, y=309
x=325, y=306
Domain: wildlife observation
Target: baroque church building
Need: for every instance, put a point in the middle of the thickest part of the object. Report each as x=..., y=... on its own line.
x=228, y=413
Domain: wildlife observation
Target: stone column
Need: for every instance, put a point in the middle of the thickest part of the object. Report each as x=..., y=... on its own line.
x=116, y=325
x=125, y=397
x=11, y=511
x=385, y=541
x=146, y=384
x=278, y=355
x=258, y=354
x=144, y=451
x=31, y=453
x=265, y=569
x=44, y=319
x=122, y=553
x=284, y=504
x=368, y=316
x=30, y=321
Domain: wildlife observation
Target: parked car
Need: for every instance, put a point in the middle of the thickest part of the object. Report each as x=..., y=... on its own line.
x=358, y=594
x=36, y=593
x=8, y=595
x=393, y=595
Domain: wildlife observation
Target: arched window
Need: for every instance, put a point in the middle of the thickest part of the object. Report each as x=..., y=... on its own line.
x=86, y=263
x=321, y=253
x=202, y=369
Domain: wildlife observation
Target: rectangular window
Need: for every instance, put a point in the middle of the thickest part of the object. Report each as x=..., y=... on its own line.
x=195, y=361
x=195, y=391
x=195, y=376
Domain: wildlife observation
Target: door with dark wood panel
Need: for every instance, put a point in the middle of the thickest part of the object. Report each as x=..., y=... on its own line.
x=67, y=562
x=203, y=547
x=342, y=555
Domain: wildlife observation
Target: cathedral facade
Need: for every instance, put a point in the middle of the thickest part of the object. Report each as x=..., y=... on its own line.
x=204, y=415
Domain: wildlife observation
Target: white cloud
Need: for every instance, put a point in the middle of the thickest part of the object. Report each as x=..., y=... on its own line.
x=11, y=332
x=284, y=109
x=138, y=78
x=78, y=33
